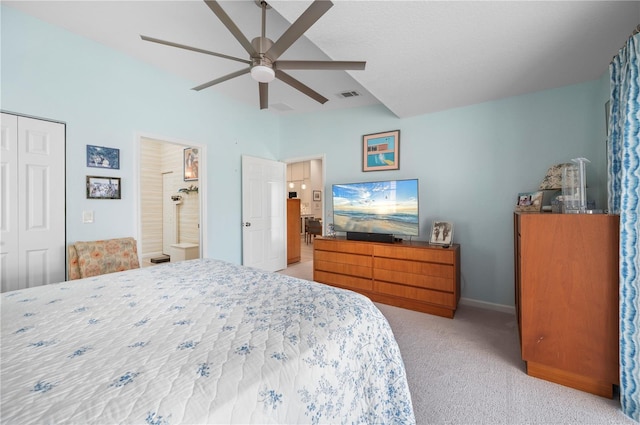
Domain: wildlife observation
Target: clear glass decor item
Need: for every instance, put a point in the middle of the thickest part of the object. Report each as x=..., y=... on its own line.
x=331, y=232
x=582, y=183
x=574, y=185
x=570, y=188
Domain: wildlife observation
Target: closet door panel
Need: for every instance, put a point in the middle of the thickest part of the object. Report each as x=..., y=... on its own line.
x=42, y=202
x=8, y=204
x=32, y=211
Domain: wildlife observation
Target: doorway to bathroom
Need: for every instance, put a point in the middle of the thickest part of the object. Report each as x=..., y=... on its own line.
x=171, y=177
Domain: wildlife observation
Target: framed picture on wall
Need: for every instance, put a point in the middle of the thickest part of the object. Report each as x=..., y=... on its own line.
x=103, y=187
x=317, y=195
x=381, y=151
x=190, y=164
x=103, y=157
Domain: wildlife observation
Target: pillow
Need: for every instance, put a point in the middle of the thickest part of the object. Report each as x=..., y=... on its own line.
x=106, y=256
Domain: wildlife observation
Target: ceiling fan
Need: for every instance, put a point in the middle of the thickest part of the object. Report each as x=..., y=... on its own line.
x=263, y=62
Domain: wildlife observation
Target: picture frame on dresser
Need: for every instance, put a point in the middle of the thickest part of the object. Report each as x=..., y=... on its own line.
x=529, y=201
x=441, y=233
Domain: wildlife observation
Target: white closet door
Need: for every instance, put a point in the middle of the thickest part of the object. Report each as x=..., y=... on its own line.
x=39, y=223
x=9, y=206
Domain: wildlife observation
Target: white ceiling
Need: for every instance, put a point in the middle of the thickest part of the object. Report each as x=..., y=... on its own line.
x=422, y=56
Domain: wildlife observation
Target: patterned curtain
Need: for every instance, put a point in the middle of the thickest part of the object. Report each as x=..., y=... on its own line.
x=623, y=154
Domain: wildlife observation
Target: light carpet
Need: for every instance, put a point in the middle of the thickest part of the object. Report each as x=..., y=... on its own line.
x=468, y=370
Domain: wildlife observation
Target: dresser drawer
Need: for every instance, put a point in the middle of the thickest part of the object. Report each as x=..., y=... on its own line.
x=417, y=280
x=342, y=246
x=343, y=281
x=343, y=268
x=415, y=267
x=344, y=258
x=428, y=254
x=445, y=299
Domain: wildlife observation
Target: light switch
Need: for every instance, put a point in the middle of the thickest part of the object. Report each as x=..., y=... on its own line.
x=87, y=216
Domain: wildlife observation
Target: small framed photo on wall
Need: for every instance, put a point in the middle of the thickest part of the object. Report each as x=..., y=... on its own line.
x=103, y=157
x=190, y=164
x=103, y=187
x=441, y=233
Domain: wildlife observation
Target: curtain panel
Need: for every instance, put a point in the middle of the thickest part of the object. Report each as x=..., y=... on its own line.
x=623, y=154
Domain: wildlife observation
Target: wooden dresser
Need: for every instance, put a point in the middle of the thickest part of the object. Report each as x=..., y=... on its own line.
x=566, y=287
x=413, y=275
x=293, y=231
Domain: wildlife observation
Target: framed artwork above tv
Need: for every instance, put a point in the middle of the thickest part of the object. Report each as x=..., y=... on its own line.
x=381, y=151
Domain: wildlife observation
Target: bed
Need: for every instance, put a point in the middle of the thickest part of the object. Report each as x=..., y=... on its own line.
x=198, y=342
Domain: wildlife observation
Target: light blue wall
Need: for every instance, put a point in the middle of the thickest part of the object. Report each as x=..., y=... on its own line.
x=105, y=98
x=471, y=163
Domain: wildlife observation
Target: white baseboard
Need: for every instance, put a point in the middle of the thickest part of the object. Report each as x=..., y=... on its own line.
x=489, y=306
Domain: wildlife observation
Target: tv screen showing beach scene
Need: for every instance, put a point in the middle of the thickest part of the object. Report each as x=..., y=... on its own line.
x=389, y=207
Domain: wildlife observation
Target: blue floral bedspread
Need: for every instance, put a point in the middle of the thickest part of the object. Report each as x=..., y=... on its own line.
x=198, y=342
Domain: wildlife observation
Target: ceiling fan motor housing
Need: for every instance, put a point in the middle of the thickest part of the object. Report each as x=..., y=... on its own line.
x=261, y=45
x=261, y=66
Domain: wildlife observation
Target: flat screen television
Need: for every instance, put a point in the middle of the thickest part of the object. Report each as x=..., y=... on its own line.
x=376, y=208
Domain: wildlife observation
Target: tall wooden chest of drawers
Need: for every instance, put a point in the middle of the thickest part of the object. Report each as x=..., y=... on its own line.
x=566, y=288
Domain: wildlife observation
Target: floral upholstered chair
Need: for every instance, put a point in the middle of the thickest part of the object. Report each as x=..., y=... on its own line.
x=94, y=258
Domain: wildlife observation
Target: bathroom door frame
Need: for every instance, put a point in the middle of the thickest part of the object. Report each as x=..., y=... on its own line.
x=202, y=185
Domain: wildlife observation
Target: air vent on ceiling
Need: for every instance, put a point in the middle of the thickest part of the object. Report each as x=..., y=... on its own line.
x=281, y=107
x=348, y=94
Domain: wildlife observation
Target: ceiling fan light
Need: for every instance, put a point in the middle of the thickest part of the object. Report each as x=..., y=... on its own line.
x=262, y=74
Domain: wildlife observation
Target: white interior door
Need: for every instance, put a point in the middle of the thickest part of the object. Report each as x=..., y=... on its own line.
x=35, y=230
x=9, y=255
x=264, y=230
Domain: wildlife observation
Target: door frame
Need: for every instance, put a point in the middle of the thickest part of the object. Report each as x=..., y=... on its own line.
x=202, y=185
x=165, y=200
x=323, y=158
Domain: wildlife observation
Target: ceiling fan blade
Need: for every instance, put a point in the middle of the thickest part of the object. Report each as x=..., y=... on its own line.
x=194, y=49
x=323, y=65
x=264, y=95
x=286, y=78
x=231, y=26
x=222, y=79
x=302, y=24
